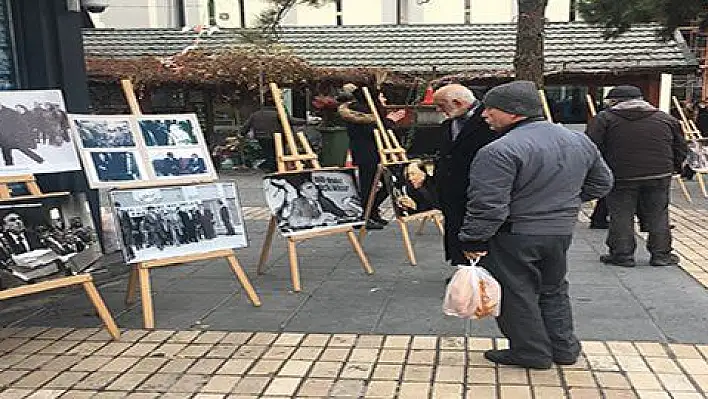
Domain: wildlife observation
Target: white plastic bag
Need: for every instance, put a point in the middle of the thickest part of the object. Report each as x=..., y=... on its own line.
x=472, y=294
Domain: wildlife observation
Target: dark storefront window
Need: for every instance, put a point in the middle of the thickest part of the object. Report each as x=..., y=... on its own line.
x=8, y=78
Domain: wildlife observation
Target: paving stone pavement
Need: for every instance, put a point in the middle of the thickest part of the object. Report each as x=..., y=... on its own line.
x=350, y=335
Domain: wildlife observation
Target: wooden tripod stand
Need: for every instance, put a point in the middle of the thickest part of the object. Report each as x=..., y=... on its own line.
x=85, y=280
x=299, y=161
x=391, y=152
x=140, y=272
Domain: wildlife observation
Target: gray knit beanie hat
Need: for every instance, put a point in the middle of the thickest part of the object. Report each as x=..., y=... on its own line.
x=519, y=98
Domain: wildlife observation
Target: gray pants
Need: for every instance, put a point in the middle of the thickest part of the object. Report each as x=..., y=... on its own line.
x=622, y=205
x=536, y=315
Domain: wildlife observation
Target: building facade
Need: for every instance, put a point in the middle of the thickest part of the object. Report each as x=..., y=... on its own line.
x=240, y=13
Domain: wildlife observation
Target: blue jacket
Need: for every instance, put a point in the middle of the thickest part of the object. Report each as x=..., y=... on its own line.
x=532, y=181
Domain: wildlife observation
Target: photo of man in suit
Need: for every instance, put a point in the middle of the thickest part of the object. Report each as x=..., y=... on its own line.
x=16, y=236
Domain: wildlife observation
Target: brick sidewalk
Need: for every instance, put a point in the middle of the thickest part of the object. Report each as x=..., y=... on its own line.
x=82, y=363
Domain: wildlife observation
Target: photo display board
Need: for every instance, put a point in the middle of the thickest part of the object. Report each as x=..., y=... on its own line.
x=164, y=222
x=146, y=150
x=313, y=200
x=411, y=186
x=35, y=134
x=45, y=238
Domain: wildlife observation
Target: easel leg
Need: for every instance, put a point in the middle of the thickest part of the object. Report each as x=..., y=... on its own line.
x=132, y=284
x=438, y=223
x=421, y=226
x=101, y=308
x=294, y=270
x=360, y=252
x=407, y=242
x=684, y=189
x=243, y=279
x=265, y=251
x=702, y=184
x=146, y=295
x=370, y=202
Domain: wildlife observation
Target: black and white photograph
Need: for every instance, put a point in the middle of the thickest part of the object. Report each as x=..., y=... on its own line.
x=53, y=237
x=170, y=130
x=104, y=131
x=115, y=166
x=411, y=186
x=181, y=162
x=697, y=157
x=159, y=223
x=313, y=200
x=35, y=133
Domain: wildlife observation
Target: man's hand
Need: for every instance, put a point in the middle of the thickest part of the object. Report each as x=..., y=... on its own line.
x=474, y=255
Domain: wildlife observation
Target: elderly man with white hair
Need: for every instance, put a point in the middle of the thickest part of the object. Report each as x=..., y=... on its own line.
x=465, y=132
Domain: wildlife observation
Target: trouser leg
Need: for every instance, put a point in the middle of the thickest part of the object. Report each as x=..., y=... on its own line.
x=555, y=301
x=654, y=196
x=622, y=205
x=268, y=150
x=599, y=213
x=367, y=173
x=512, y=261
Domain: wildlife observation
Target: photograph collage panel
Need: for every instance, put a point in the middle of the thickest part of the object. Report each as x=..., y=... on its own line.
x=35, y=133
x=47, y=239
x=411, y=186
x=697, y=157
x=313, y=200
x=159, y=223
x=132, y=151
x=176, y=148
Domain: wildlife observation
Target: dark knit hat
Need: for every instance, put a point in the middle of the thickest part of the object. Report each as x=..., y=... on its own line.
x=625, y=91
x=519, y=98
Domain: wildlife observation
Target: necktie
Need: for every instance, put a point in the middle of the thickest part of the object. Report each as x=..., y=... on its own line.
x=23, y=242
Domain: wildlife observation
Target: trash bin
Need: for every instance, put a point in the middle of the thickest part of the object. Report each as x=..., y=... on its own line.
x=335, y=144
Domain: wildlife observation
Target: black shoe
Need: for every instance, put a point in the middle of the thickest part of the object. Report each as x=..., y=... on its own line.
x=447, y=280
x=378, y=219
x=507, y=358
x=565, y=361
x=599, y=225
x=372, y=225
x=611, y=260
x=665, y=260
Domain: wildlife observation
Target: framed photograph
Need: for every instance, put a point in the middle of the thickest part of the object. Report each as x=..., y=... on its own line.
x=170, y=130
x=35, y=133
x=133, y=151
x=47, y=238
x=697, y=157
x=159, y=223
x=105, y=132
x=313, y=200
x=411, y=186
x=108, y=168
x=178, y=163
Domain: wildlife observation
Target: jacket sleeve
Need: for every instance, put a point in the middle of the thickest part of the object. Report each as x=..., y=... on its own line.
x=596, y=131
x=599, y=180
x=492, y=175
x=356, y=117
x=679, y=145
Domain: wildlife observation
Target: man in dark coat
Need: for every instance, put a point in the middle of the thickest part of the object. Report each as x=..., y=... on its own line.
x=226, y=218
x=524, y=196
x=17, y=238
x=464, y=133
x=643, y=146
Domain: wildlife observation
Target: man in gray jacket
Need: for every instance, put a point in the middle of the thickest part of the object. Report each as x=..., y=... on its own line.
x=524, y=194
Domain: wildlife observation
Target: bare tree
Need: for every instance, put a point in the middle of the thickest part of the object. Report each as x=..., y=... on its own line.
x=528, y=60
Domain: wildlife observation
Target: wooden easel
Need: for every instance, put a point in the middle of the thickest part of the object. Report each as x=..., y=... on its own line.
x=86, y=280
x=295, y=160
x=690, y=132
x=546, y=108
x=391, y=152
x=141, y=271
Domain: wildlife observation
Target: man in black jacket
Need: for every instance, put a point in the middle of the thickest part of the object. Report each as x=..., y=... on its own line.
x=465, y=132
x=643, y=146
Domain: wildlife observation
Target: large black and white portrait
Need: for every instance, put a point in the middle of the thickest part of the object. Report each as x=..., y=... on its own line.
x=158, y=223
x=170, y=130
x=115, y=166
x=35, y=133
x=104, y=132
x=313, y=200
x=181, y=162
x=53, y=237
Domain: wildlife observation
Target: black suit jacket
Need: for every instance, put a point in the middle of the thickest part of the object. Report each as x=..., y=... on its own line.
x=33, y=239
x=452, y=174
